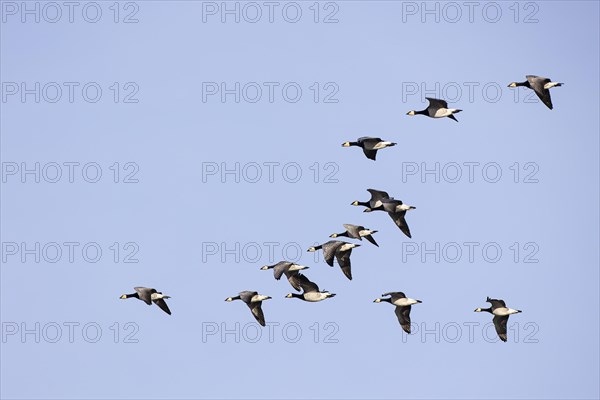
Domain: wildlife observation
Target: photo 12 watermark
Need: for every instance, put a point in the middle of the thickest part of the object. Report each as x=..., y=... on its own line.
x=270, y=12
x=270, y=172
x=69, y=332
x=70, y=12
x=470, y=12
x=89, y=92
x=69, y=172
x=69, y=252
x=470, y=332
x=270, y=92
x=272, y=332
x=491, y=172
x=470, y=252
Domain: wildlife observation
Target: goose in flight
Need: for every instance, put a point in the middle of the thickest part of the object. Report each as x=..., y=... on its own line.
x=437, y=109
x=290, y=270
x=540, y=86
x=356, y=232
x=501, y=313
x=403, y=306
x=149, y=296
x=254, y=301
x=375, y=202
x=397, y=212
x=341, y=251
x=310, y=291
x=370, y=145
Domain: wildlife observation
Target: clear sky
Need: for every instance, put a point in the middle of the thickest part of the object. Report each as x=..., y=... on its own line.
x=151, y=106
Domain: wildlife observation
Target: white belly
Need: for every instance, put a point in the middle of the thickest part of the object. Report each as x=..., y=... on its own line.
x=314, y=296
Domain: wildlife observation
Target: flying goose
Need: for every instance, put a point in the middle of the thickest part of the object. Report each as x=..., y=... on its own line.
x=254, y=301
x=356, y=232
x=437, y=109
x=501, y=313
x=402, y=304
x=397, y=211
x=310, y=291
x=341, y=251
x=290, y=270
x=540, y=86
x=370, y=145
x=375, y=202
x=149, y=295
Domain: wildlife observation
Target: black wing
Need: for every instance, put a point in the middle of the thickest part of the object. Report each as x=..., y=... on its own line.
x=370, y=239
x=500, y=323
x=280, y=268
x=354, y=230
x=292, y=278
x=371, y=154
x=306, y=284
x=378, y=194
x=163, y=305
x=145, y=294
x=247, y=296
x=403, y=314
x=437, y=103
x=537, y=84
x=496, y=303
x=329, y=250
x=257, y=312
x=398, y=218
x=451, y=116
x=343, y=258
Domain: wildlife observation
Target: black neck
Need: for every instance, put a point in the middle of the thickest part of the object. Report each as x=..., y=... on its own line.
x=343, y=234
x=297, y=296
x=389, y=300
x=137, y=296
x=422, y=112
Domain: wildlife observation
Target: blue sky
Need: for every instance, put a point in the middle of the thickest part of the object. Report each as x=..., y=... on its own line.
x=172, y=219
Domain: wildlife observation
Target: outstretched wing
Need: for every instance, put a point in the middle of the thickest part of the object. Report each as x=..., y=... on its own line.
x=329, y=250
x=537, y=84
x=371, y=239
x=343, y=258
x=400, y=221
x=371, y=154
x=247, y=296
x=496, y=303
x=376, y=197
x=280, y=268
x=292, y=278
x=145, y=294
x=354, y=230
x=306, y=284
x=500, y=323
x=451, y=116
x=437, y=103
x=258, y=312
x=163, y=305
x=403, y=314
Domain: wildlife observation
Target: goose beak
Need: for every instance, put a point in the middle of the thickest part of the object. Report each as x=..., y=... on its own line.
x=123, y=296
x=377, y=301
x=289, y=295
x=412, y=112
x=264, y=267
x=512, y=84
x=333, y=235
x=346, y=144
